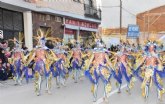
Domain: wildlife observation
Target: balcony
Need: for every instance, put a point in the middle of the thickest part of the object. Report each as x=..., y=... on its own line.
x=92, y=12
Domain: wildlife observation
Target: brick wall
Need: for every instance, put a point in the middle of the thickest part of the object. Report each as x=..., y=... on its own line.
x=49, y=21
x=154, y=18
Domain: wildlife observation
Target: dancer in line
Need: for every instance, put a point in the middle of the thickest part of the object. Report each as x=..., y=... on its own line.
x=44, y=58
x=123, y=68
x=77, y=62
x=61, y=71
x=150, y=69
x=99, y=67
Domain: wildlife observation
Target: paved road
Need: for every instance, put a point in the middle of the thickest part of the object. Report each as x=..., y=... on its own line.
x=74, y=93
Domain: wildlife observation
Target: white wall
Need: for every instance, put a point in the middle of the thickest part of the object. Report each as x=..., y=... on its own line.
x=28, y=31
x=110, y=16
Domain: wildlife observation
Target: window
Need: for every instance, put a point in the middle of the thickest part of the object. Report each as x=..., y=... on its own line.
x=89, y=2
x=1, y=19
x=43, y=17
x=52, y=18
x=68, y=37
x=11, y=22
x=77, y=1
x=8, y=20
x=47, y=17
x=58, y=19
x=18, y=21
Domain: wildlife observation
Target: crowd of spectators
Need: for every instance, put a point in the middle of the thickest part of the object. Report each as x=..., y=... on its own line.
x=5, y=54
x=5, y=72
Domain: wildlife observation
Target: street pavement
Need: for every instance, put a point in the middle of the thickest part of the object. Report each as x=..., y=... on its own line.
x=73, y=93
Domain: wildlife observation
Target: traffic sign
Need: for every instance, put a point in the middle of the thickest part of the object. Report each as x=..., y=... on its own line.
x=133, y=31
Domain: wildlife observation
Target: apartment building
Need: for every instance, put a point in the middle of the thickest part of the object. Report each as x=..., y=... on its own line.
x=67, y=19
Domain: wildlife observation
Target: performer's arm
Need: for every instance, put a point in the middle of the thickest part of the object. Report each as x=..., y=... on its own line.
x=141, y=62
x=90, y=61
x=108, y=62
x=160, y=64
x=32, y=55
x=54, y=55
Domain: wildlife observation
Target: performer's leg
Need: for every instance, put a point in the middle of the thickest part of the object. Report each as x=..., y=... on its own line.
x=119, y=88
x=16, y=79
x=38, y=81
x=128, y=88
x=107, y=89
x=76, y=75
x=58, y=81
x=119, y=81
x=94, y=92
x=81, y=74
x=160, y=94
x=127, y=77
x=160, y=89
x=22, y=76
x=19, y=80
x=39, y=84
x=63, y=80
x=146, y=90
x=147, y=87
x=48, y=84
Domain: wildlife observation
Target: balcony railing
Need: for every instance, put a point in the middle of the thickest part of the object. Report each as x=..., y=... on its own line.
x=92, y=12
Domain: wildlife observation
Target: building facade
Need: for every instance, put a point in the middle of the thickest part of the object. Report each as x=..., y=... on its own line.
x=11, y=22
x=152, y=22
x=68, y=19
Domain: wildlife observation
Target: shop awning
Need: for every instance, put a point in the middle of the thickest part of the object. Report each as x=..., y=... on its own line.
x=72, y=27
x=81, y=28
x=88, y=29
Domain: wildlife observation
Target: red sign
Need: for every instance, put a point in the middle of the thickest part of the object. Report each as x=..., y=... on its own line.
x=69, y=31
x=81, y=23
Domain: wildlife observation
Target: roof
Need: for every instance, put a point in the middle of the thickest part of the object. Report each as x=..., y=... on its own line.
x=160, y=9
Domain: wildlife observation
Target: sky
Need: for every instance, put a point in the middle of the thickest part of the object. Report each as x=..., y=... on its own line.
x=111, y=11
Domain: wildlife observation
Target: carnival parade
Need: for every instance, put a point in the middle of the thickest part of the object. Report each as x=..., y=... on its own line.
x=98, y=63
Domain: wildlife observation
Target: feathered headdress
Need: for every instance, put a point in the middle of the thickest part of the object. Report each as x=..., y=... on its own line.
x=18, y=43
x=97, y=39
x=151, y=42
x=42, y=38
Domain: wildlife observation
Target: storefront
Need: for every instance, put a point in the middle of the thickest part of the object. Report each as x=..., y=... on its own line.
x=74, y=28
x=11, y=23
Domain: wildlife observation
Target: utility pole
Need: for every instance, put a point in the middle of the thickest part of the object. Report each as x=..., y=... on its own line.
x=148, y=26
x=120, y=17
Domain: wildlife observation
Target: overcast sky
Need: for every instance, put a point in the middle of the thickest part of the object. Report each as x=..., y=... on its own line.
x=110, y=14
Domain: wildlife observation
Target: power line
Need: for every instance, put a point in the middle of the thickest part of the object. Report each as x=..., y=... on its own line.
x=128, y=11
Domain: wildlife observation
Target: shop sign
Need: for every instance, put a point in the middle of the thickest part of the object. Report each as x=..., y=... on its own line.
x=81, y=23
x=69, y=31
